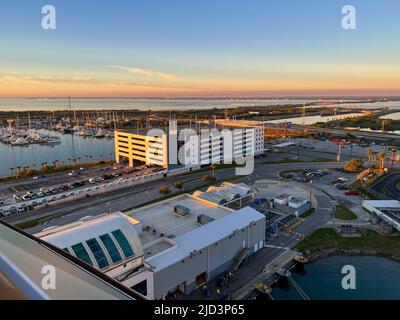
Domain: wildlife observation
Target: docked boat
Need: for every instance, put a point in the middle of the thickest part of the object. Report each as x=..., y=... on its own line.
x=20, y=142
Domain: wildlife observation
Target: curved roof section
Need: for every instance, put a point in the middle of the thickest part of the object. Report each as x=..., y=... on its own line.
x=103, y=241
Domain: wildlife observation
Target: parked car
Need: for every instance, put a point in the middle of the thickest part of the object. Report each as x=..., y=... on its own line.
x=342, y=186
x=352, y=193
x=25, y=197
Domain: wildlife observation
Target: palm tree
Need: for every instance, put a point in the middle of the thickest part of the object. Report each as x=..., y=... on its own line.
x=12, y=171
x=111, y=156
x=212, y=167
x=394, y=153
x=86, y=158
x=381, y=158
x=102, y=157
x=44, y=166
x=79, y=160
x=370, y=153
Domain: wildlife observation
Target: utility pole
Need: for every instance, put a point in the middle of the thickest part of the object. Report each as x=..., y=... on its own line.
x=303, y=115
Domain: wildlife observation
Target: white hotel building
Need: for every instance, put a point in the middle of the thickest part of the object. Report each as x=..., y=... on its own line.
x=207, y=147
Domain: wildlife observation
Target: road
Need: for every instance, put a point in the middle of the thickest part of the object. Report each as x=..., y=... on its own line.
x=133, y=196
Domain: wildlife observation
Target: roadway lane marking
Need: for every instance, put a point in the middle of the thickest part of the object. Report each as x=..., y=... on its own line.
x=326, y=209
x=276, y=247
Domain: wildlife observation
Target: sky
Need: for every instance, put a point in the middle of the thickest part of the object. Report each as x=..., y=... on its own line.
x=199, y=48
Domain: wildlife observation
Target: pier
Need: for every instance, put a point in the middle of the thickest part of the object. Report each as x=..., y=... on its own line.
x=267, y=277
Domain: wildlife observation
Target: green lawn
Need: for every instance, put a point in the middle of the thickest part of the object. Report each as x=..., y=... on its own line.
x=327, y=238
x=343, y=213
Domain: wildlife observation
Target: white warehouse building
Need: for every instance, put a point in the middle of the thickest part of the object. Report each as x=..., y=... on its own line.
x=178, y=244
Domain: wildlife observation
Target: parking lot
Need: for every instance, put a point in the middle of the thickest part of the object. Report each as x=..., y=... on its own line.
x=100, y=181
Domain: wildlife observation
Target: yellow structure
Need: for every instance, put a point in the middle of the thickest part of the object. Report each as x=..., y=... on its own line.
x=139, y=148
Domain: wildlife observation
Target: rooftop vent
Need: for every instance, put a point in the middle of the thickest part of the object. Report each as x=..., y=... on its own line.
x=204, y=219
x=181, y=211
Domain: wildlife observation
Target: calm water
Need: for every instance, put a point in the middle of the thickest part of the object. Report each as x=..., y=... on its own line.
x=163, y=104
x=71, y=146
x=376, y=278
x=136, y=104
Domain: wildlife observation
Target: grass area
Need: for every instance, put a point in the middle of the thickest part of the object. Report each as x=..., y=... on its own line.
x=308, y=213
x=288, y=160
x=35, y=222
x=175, y=194
x=343, y=213
x=325, y=238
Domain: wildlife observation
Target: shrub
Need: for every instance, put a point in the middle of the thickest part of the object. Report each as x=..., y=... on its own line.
x=164, y=189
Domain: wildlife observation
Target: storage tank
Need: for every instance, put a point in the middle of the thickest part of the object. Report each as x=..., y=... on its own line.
x=387, y=228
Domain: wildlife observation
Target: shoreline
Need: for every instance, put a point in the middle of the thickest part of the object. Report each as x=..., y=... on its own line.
x=325, y=253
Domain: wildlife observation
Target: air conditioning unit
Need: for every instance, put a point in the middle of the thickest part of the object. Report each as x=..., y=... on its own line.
x=181, y=211
x=204, y=219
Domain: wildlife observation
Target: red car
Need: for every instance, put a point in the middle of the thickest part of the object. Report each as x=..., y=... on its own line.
x=352, y=193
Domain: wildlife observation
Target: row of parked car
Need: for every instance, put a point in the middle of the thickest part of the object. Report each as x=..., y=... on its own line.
x=30, y=199
x=45, y=192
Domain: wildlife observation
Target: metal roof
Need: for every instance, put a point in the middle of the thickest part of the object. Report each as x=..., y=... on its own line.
x=205, y=235
x=383, y=203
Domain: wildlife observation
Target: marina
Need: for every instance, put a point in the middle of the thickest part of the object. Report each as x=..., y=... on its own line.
x=70, y=148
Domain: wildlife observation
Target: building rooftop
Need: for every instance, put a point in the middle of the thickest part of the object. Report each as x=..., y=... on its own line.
x=226, y=193
x=383, y=203
x=159, y=219
x=297, y=200
x=117, y=232
x=194, y=240
x=283, y=196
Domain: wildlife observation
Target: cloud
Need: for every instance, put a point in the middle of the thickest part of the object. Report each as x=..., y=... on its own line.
x=146, y=73
x=82, y=79
x=39, y=79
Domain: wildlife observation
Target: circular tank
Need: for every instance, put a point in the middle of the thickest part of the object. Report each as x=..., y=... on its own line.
x=387, y=228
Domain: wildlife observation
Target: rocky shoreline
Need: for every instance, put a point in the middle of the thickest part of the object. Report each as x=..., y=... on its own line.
x=317, y=255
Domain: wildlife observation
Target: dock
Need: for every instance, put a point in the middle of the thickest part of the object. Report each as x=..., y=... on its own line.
x=267, y=277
